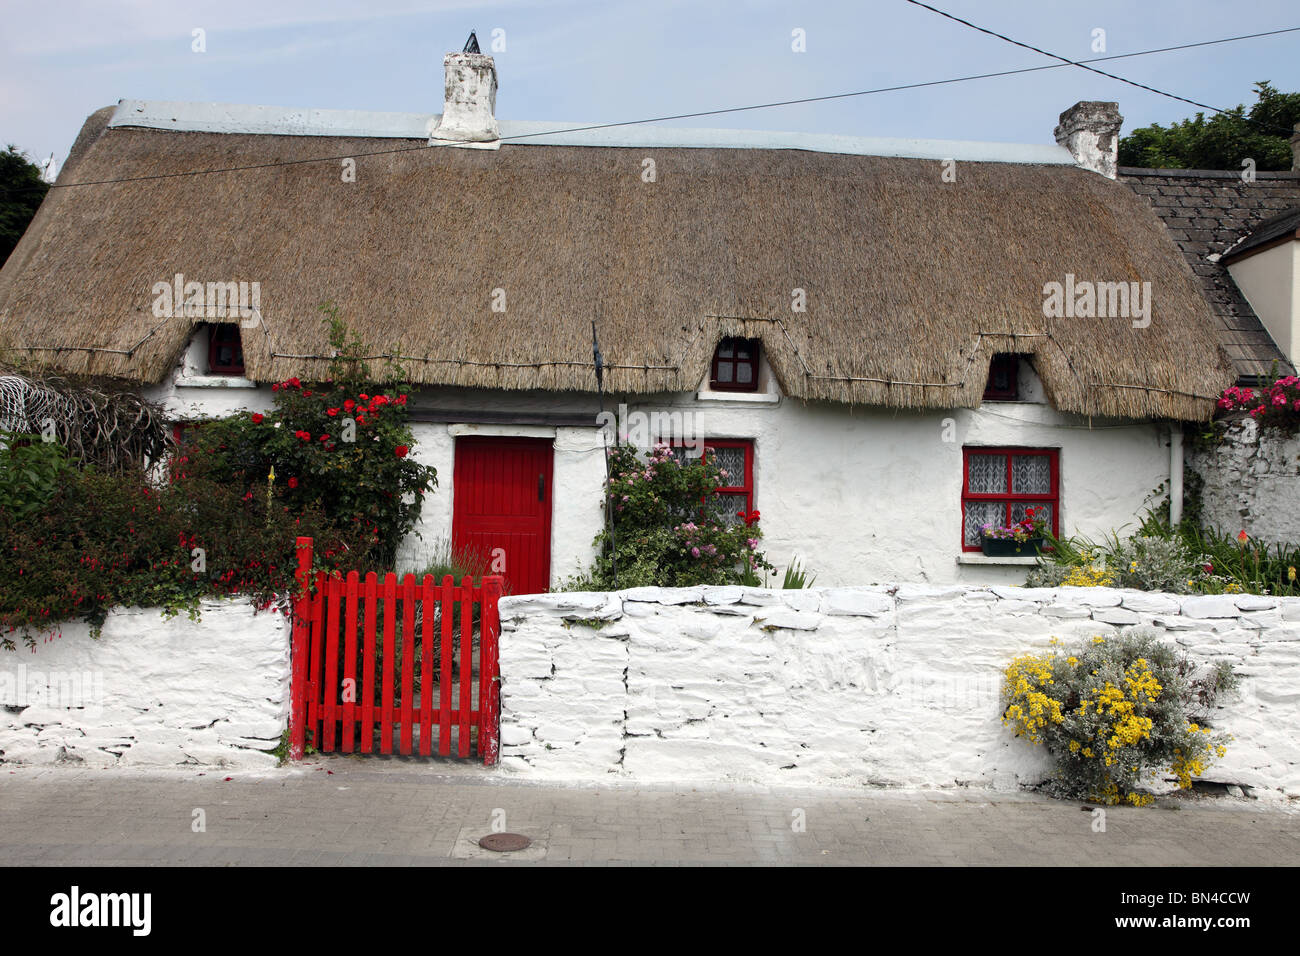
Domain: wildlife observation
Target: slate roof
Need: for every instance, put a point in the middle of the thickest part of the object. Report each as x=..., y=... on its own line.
x=1207, y=212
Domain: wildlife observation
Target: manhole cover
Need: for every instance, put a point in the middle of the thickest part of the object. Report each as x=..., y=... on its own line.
x=505, y=842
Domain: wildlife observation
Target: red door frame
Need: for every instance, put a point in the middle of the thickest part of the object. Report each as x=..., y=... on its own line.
x=548, y=471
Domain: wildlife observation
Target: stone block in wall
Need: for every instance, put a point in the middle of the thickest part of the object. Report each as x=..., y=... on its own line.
x=1210, y=605
x=1149, y=602
x=856, y=602
x=1115, y=615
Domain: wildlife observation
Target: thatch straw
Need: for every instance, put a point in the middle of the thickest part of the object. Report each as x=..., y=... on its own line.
x=912, y=284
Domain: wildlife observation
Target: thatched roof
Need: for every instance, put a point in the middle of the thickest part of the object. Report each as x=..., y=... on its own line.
x=912, y=283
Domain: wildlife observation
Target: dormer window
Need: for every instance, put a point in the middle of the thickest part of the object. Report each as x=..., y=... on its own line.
x=735, y=366
x=225, y=352
x=1003, y=384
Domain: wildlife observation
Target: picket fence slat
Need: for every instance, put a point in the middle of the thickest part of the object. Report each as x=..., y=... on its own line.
x=368, y=688
x=390, y=619
x=427, y=605
x=350, y=664
x=337, y=649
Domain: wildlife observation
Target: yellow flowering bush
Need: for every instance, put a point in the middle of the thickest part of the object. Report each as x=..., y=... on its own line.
x=1116, y=713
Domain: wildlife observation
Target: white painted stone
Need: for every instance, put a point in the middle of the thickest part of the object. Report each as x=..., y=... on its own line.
x=1066, y=611
x=1149, y=602
x=160, y=691
x=695, y=693
x=722, y=595
x=1255, y=602
x=802, y=599
x=787, y=618
x=1039, y=595
x=1115, y=615
x=1090, y=597
x=855, y=601
x=1210, y=605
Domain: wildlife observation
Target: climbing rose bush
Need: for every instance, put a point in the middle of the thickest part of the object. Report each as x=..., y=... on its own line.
x=340, y=449
x=1116, y=714
x=1278, y=405
x=668, y=526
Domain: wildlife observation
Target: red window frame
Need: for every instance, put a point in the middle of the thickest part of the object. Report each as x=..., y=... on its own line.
x=1008, y=366
x=746, y=489
x=734, y=363
x=225, y=333
x=1053, y=497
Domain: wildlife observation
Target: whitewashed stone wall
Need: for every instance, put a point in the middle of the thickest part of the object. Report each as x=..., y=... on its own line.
x=1252, y=483
x=891, y=685
x=151, y=691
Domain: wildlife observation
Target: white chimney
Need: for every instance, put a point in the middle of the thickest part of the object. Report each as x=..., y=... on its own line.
x=1090, y=131
x=469, y=102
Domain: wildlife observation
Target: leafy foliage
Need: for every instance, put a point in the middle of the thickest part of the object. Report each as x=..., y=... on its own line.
x=31, y=471
x=21, y=193
x=1223, y=140
x=668, y=528
x=1116, y=713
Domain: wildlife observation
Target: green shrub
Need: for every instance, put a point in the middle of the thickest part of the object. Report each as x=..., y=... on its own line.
x=668, y=528
x=1116, y=713
x=31, y=471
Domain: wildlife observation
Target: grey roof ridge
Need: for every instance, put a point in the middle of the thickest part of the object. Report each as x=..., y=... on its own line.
x=288, y=121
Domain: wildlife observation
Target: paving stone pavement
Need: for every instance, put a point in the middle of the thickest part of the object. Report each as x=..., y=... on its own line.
x=401, y=812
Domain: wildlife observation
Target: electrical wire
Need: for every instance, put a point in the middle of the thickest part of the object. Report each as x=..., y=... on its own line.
x=734, y=109
x=1082, y=64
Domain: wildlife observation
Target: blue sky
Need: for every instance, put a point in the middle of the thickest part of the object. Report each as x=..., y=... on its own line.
x=610, y=60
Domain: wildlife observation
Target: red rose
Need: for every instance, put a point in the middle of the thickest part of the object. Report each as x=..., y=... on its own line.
x=331, y=412
x=364, y=397
x=401, y=451
x=349, y=404
x=257, y=419
x=324, y=437
x=401, y=400
x=293, y=482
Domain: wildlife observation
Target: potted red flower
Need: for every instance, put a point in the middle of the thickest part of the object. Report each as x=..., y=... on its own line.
x=1022, y=539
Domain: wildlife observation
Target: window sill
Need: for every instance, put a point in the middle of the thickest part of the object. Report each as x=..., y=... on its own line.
x=760, y=398
x=974, y=557
x=214, y=381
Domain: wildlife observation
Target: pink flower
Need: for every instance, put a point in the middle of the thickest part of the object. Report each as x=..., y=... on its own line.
x=695, y=552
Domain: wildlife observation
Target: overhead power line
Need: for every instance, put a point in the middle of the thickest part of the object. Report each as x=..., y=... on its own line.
x=733, y=109
x=1082, y=64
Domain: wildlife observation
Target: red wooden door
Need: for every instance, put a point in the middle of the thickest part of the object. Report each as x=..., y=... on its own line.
x=502, y=507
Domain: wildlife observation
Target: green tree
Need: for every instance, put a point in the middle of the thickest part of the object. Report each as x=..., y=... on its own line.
x=1223, y=140
x=21, y=192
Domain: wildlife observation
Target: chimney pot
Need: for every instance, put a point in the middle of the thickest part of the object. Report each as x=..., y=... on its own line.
x=469, y=100
x=1090, y=131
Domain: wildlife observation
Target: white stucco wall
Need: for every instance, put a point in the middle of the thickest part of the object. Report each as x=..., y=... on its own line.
x=894, y=685
x=1268, y=279
x=151, y=691
x=1252, y=483
x=861, y=495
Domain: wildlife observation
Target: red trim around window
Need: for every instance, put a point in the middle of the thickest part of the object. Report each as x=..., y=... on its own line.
x=746, y=489
x=1053, y=497
x=732, y=364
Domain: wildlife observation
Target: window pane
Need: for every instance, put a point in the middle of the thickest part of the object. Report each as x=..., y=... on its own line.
x=1044, y=511
x=724, y=372
x=724, y=350
x=728, y=505
x=732, y=461
x=988, y=474
x=742, y=350
x=744, y=373
x=1031, y=475
x=978, y=514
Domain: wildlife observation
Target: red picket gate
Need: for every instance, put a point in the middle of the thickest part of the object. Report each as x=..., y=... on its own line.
x=353, y=684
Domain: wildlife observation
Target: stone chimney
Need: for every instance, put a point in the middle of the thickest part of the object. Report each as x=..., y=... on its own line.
x=469, y=102
x=1090, y=130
